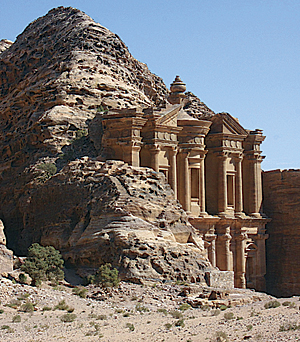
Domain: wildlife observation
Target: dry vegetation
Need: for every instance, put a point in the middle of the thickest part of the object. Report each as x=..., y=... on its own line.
x=139, y=313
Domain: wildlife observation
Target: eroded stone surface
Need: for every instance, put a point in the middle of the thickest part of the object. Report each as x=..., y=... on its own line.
x=6, y=256
x=282, y=203
x=97, y=212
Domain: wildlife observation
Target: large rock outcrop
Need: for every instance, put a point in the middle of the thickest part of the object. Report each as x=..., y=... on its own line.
x=6, y=256
x=96, y=212
x=61, y=72
x=282, y=204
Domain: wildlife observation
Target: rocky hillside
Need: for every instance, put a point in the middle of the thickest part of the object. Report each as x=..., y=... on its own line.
x=58, y=74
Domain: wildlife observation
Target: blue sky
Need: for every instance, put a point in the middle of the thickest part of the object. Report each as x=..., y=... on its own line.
x=237, y=56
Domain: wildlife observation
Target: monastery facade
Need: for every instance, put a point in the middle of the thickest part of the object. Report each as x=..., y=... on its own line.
x=214, y=167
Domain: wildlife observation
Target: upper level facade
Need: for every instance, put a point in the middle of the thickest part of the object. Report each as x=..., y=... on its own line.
x=214, y=168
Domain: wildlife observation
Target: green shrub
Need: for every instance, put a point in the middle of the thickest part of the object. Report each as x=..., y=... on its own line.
x=228, y=315
x=7, y=328
x=80, y=291
x=175, y=314
x=168, y=326
x=164, y=311
x=49, y=168
x=141, y=308
x=180, y=323
x=130, y=326
x=14, y=304
x=107, y=276
x=249, y=327
x=16, y=319
x=1, y=311
x=102, y=317
x=61, y=305
x=47, y=308
x=68, y=317
x=27, y=307
x=22, y=278
x=288, y=327
x=43, y=263
x=184, y=307
x=272, y=304
x=223, y=307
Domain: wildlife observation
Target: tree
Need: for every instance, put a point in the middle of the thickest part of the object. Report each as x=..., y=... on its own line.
x=43, y=263
x=107, y=276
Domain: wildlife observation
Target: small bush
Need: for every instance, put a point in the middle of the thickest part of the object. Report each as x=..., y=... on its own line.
x=1, y=311
x=27, y=307
x=70, y=309
x=130, y=326
x=61, y=305
x=102, y=317
x=249, y=327
x=180, y=323
x=272, y=304
x=175, y=314
x=14, y=304
x=68, y=317
x=141, y=308
x=228, y=315
x=16, y=319
x=49, y=168
x=22, y=278
x=223, y=307
x=286, y=303
x=47, y=308
x=107, y=276
x=80, y=291
x=184, y=307
x=168, y=326
x=7, y=328
x=288, y=327
x=164, y=311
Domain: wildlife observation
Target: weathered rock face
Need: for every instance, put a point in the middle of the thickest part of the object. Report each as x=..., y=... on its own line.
x=4, y=44
x=282, y=204
x=97, y=212
x=54, y=79
x=6, y=256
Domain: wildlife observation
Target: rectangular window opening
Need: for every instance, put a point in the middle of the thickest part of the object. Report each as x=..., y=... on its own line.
x=230, y=190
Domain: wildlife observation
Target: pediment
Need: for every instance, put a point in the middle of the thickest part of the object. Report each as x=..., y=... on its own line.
x=227, y=124
x=169, y=116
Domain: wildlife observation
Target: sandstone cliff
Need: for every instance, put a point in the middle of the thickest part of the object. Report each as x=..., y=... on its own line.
x=97, y=212
x=58, y=74
x=282, y=203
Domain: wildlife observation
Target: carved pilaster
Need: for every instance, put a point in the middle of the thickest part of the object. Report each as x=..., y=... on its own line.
x=222, y=184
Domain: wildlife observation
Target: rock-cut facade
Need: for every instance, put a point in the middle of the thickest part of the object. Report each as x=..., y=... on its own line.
x=213, y=166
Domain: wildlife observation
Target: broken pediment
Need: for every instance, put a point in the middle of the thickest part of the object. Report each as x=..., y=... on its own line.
x=169, y=116
x=227, y=124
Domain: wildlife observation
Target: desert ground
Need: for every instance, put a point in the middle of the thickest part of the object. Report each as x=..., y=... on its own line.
x=152, y=312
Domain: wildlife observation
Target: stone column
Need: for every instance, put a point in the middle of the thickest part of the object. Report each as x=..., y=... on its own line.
x=202, y=188
x=260, y=240
x=223, y=249
x=172, y=171
x=154, y=151
x=184, y=190
x=211, y=238
x=255, y=190
x=222, y=184
x=240, y=271
x=238, y=186
x=131, y=154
